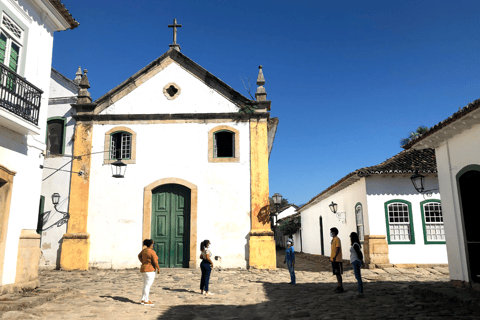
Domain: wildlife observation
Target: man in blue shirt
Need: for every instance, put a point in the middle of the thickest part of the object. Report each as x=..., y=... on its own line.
x=290, y=260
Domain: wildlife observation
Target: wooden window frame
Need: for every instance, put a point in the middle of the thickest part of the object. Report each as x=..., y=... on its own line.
x=63, y=138
x=424, y=224
x=387, y=221
x=211, y=145
x=12, y=38
x=107, y=144
x=356, y=221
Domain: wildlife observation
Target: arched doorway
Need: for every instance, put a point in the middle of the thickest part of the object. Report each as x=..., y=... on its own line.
x=322, y=247
x=468, y=181
x=171, y=225
x=170, y=218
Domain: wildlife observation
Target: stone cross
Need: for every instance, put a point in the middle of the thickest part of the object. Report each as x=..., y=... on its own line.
x=174, y=26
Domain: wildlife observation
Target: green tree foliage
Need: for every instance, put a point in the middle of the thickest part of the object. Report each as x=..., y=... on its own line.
x=283, y=204
x=420, y=130
x=290, y=225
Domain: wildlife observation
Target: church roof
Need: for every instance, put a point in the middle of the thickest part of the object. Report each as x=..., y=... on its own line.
x=447, y=126
x=60, y=7
x=199, y=72
x=405, y=162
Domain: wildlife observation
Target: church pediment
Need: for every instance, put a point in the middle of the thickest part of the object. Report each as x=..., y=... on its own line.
x=171, y=84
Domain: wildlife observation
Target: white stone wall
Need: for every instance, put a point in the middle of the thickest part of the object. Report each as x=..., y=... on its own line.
x=62, y=94
x=381, y=189
x=195, y=96
x=346, y=200
x=452, y=156
x=169, y=151
x=19, y=152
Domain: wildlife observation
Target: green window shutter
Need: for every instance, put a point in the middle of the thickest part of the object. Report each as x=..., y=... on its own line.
x=3, y=46
x=13, y=63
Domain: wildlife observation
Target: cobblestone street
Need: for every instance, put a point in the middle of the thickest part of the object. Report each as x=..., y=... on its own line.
x=240, y=294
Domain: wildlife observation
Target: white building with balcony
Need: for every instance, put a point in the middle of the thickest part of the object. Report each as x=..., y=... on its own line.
x=26, y=43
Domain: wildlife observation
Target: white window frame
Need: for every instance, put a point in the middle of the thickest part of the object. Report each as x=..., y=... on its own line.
x=362, y=235
x=436, y=224
x=391, y=224
x=12, y=38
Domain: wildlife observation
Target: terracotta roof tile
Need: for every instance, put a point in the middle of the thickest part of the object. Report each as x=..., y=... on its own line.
x=406, y=161
x=64, y=12
x=457, y=115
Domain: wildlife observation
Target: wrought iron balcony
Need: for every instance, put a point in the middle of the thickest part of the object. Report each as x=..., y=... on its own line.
x=19, y=96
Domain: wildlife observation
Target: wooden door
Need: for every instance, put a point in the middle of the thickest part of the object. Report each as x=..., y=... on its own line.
x=171, y=225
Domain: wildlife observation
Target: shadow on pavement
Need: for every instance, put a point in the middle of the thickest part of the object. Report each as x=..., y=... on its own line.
x=121, y=299
x=181, y=290
x=382, y=300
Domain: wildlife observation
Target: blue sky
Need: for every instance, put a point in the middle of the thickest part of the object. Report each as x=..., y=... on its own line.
x=347, y=79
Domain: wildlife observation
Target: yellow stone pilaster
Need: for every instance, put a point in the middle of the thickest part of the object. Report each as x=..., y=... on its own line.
x=261, y=243
x=76, y=242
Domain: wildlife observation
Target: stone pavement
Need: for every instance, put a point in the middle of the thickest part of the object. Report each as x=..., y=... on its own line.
x=242, y=294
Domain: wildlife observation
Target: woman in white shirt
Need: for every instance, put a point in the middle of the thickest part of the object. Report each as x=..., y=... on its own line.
x=206, y=266
x=356, y=259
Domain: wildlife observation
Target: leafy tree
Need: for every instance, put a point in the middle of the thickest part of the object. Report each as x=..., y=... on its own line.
x=283, y=204
x=420, y=130
x=290, y=225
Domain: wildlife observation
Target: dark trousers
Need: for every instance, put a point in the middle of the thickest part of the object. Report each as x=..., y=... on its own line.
x=206, y=270
x=356, y=269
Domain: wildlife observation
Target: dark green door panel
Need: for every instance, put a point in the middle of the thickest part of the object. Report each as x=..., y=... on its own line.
x=171, y=225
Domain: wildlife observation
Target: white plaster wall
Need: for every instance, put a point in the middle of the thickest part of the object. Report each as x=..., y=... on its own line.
x=381, y=189
x=169, y=151
x=23, y=153
x=461, y=150
x=195, y=96
x=346, y=200
x=57, y=182
x=286, y=213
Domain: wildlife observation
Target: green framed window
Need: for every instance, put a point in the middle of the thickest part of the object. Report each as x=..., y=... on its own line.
x=55, y=139
x=224, y=144
x=432, y=220
x=398, y=216
x=121, y=145
x=359, y=220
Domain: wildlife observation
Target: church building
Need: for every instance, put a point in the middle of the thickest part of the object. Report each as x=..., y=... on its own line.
x=173, y=154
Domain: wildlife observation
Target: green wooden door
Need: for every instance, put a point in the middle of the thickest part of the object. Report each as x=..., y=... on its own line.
x=171, y=225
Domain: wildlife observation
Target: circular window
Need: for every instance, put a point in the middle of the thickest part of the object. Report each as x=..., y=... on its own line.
x=171, y=91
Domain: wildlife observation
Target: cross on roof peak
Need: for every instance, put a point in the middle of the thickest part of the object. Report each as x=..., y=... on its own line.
x=175, y=26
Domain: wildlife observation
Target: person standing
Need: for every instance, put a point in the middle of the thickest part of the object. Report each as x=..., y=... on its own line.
x=356, y=259
x=149, y=260
x=336, y=258
x=290, y=260
x=206, y=266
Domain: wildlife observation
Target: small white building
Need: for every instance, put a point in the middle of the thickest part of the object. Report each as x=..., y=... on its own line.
x=280, y=238
x=196, y=154
x=26, y=42
x=457, y=147
x=53, y=219
x=397, y=225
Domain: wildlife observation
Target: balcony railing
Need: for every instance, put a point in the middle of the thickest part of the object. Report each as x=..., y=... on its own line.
x=19, y=96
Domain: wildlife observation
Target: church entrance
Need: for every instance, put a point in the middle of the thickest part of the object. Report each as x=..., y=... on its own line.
x=171, y=225
x=468, y=183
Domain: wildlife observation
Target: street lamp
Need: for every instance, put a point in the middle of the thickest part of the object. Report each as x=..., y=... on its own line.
x=341, y=216
x=418, y=181
x=277, y=199
x=55, y=199
x=118, y=169
x=333, y=206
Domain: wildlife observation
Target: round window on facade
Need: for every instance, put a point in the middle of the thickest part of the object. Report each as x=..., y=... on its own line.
x=171, y=91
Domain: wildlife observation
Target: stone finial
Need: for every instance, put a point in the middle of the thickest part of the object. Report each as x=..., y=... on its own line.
x=261, y=94
x=84, y=95
x=78, y=76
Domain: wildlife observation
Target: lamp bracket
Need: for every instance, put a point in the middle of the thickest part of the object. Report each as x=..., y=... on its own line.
x=341, y=216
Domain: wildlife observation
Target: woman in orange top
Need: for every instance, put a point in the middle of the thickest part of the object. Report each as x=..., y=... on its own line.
x=149, y=260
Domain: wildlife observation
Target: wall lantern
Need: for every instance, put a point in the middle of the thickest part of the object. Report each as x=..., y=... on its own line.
x=277, y=199
x=341, y=216
x=418, y=182
x=333, y=206
x=55, y=199
x=118, y=169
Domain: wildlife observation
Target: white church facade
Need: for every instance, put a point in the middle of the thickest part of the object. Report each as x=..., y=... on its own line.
x=196, y=155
